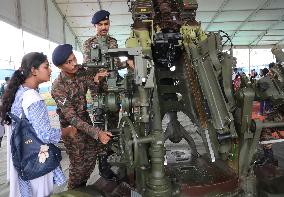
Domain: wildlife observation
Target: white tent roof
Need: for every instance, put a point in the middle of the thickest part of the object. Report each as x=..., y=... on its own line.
x=248, y=22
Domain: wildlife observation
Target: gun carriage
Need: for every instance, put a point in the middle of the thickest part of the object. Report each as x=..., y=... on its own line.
x=180, y=68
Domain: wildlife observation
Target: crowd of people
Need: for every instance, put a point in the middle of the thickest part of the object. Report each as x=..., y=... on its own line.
x=266, y=108
x=263, y=75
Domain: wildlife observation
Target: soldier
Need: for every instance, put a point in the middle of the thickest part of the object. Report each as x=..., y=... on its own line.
x=102, y=23
x=4, y=86
x=69, y=92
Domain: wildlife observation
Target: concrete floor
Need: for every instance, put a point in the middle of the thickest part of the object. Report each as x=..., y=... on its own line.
x=4, y=185
x=185, y=122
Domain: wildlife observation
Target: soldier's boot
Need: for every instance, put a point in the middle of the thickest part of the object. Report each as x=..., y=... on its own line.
x=105, y=169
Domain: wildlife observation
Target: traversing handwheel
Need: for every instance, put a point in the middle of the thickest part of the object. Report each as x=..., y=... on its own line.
x=128, y=142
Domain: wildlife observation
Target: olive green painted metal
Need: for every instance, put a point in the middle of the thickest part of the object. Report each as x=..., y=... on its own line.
x=180, y=68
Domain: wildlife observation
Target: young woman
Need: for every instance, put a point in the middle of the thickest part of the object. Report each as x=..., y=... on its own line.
x=21, y=93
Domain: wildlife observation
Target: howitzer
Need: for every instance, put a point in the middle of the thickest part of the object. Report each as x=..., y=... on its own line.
x=179, y=68
x=107, y=99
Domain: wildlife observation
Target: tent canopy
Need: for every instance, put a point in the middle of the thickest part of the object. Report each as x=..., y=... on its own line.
x=248, y=22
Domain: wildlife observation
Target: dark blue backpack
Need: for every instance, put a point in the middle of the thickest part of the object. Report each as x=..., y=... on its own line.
x=25, y=147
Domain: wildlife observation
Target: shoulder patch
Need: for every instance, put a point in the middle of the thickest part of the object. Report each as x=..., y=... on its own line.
x=62, y=101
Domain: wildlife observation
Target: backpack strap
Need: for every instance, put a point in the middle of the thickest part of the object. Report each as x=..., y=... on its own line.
x=13, y=117
x=29, y=97
x=23, y=114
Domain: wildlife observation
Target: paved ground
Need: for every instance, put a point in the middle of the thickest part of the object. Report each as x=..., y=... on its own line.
x=185, y=121
x=4, y=186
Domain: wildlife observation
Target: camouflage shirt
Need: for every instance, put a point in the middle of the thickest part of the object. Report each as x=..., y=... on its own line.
x=70, y=97
x=111, y=43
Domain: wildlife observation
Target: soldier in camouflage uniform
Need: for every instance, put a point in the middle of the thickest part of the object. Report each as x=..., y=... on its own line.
x=101, y=22
x=69, y=92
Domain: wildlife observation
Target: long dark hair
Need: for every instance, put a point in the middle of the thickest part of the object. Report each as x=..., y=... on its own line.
x=29, y=61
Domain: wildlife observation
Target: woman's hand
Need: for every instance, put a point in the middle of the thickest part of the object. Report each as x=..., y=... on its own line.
x=69, y=131
x=104, y=136
x=100, y=75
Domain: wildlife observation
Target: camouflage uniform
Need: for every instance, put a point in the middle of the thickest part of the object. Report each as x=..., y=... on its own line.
x=112, y=117
x=70, y=97
x=111, y=43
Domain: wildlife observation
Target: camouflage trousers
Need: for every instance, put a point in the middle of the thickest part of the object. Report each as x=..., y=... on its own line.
x=112, y=120
x=82, y=152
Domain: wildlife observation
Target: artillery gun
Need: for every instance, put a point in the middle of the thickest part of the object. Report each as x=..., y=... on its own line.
x=180, y=68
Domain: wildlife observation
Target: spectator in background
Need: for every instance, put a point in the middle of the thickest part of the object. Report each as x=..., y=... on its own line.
x=4, y=85
x=7, y=79
x=261, y=72
x=253, y=75
x=271, y=66
x=237, y=82
x=234, y=74
x=265, y=104
x=265, y=72
x=1, y=132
